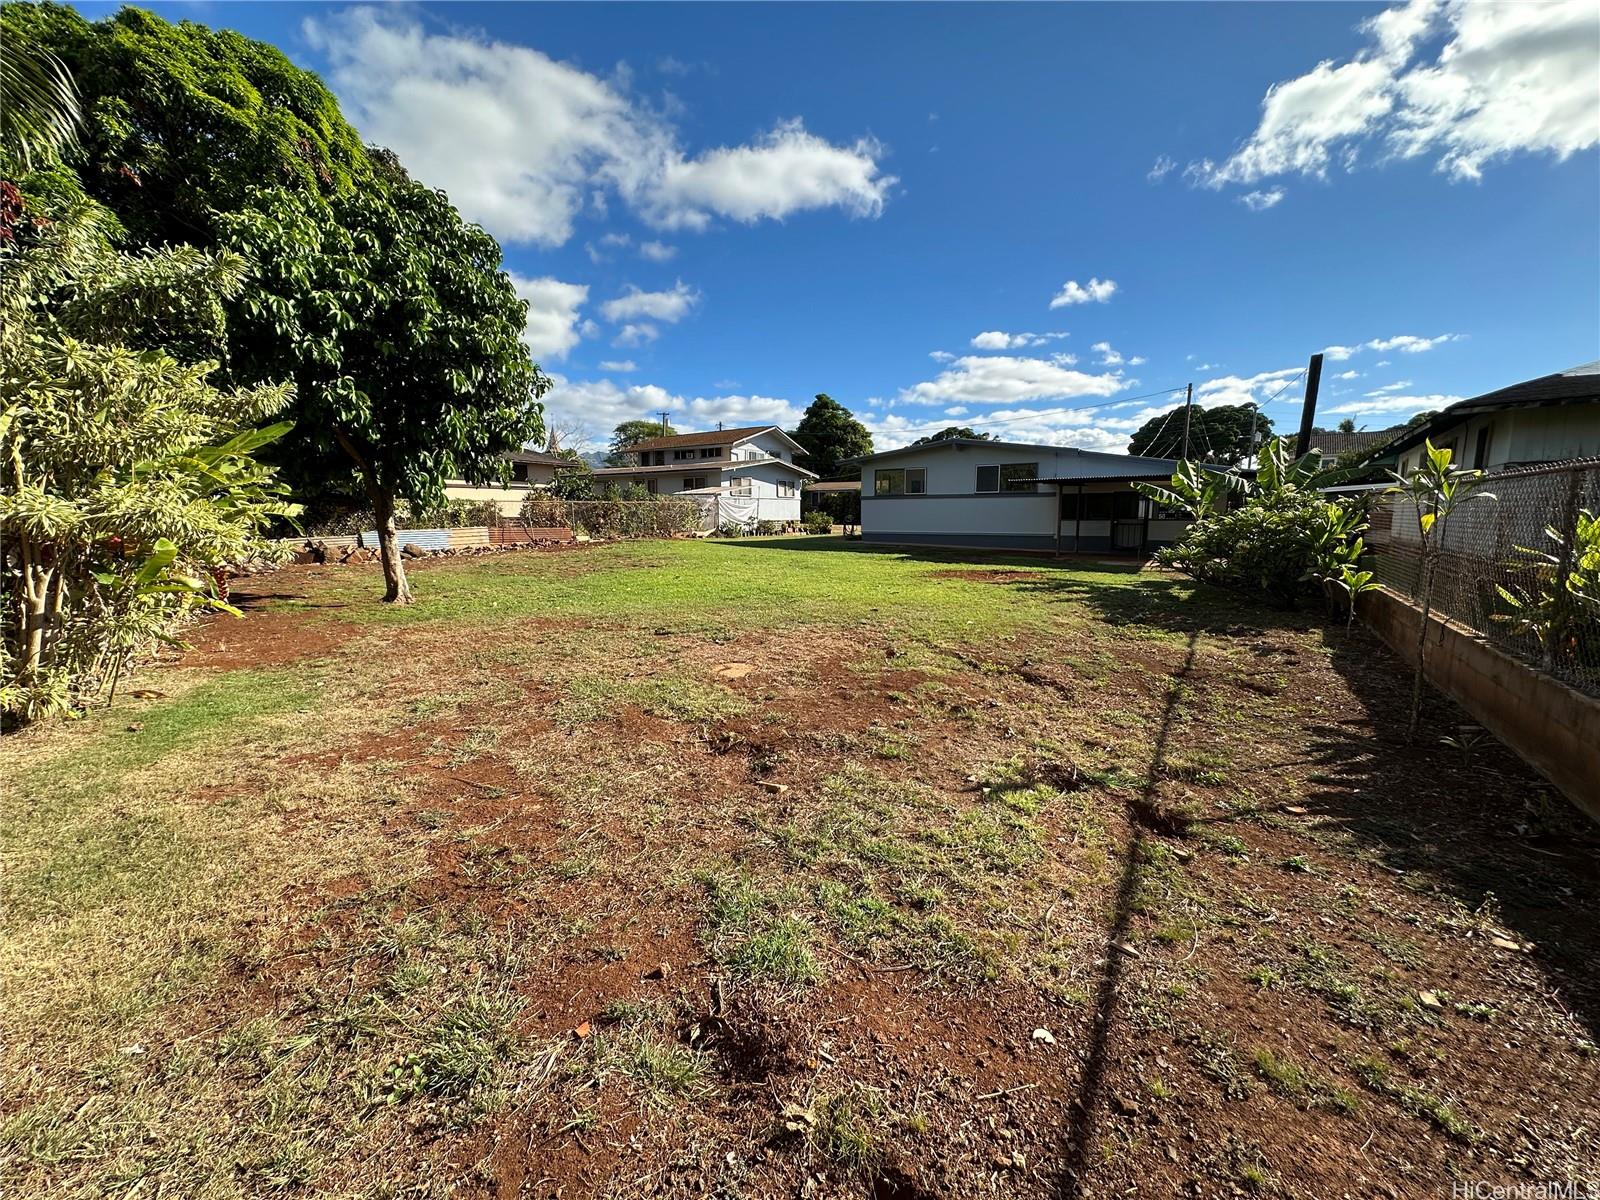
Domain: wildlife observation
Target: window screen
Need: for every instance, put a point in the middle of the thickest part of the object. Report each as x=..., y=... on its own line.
x=988, y=479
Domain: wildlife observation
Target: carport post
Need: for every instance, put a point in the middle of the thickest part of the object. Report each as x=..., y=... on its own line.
x=1058, y=518
x=1077, y=522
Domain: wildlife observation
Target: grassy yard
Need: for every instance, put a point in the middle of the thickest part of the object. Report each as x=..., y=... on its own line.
x=775, y=868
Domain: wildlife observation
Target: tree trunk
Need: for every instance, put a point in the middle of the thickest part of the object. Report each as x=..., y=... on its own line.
x=1422, y=648
x=396, y=590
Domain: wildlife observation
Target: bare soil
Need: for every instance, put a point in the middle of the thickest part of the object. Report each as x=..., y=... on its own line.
x=1316, y=960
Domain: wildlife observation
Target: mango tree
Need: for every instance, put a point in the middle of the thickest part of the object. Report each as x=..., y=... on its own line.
x=402, y=335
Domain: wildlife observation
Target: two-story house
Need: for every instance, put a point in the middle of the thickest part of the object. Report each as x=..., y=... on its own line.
x=750, y=472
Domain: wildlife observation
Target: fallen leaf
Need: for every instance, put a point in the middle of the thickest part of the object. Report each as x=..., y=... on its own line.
x=1429, y=999
x=1045, y=1036
x=1506, y=943
x=583, y=1030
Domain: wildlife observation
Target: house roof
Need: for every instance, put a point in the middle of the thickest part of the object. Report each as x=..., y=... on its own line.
x=1086, y=464
x=711, y=437
x=1333, y=443
x=539, y=458
x=1575, y=385
x=696, y=466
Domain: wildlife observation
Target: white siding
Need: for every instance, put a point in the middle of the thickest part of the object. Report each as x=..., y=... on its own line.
x=1519, y=436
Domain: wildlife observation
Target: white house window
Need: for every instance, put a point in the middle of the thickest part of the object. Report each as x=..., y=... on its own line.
x=899, y=481
x=739, y=487
x=1008, y=477
x=691, y=482
x=787, y=487
x=711, y=452
x=680, y=455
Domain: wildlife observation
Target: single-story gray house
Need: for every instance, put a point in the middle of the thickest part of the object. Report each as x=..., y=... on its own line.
x=965, y=492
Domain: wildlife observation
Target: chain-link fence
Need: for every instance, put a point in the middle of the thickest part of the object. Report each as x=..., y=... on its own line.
x=1518, y=561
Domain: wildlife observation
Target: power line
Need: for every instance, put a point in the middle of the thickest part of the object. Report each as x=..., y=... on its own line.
x=1041, y=415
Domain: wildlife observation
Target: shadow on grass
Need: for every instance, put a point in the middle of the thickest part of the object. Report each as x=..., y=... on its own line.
x=1479, y=825
x=1091, y=1080
x=1481, y=828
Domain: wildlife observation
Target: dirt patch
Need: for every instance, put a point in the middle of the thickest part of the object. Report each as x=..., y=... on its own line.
x=995, y=576
x=1079, y=912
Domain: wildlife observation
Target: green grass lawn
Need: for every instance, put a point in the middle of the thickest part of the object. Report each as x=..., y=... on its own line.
x=712, y=867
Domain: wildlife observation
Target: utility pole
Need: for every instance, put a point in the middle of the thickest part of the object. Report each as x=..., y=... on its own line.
x=1308, y=410
x=1188, y=409
x=664, y=423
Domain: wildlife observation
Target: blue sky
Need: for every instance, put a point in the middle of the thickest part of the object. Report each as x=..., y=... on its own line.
x=722, y=210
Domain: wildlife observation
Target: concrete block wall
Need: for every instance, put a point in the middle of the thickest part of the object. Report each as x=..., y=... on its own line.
x=1553, y=728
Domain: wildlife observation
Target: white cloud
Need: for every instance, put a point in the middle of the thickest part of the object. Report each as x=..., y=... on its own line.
x=995, y=340
x=1260, y=201
x=1112, y=358
x=1159, y=170
x=1390, y=387
x=624, y=366
x=958, y=411
x=636, y=334
x=1006, y=379
x=523, y=142
x=657, y=251
x=1408, y=344
x=1348, y=375
x=553, y=325
x=1339, y=353
x=670, y=306
x=941, y=356
x=787, y=170
x=1084, y=428
x=1253, y=389
x=1097, y=291
x=1395, y=405
x=603, y=403
x=1467, y=82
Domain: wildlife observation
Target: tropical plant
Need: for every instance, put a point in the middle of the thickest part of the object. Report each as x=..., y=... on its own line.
x=1556, y=598
x=1433, y=491
x=403, y=337
x=39, y=106
x=129, y=480
x=1195, y=491
x=182, y=123
x=1271, y=533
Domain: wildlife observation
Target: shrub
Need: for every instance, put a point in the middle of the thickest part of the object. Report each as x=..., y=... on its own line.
x=658, y=516
x=131, y=481
x=768, y=528
x=1280, y=539
x=817, y=521
x=1282, y=547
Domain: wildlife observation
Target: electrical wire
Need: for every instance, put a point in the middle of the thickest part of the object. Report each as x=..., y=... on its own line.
x=1042, y=415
